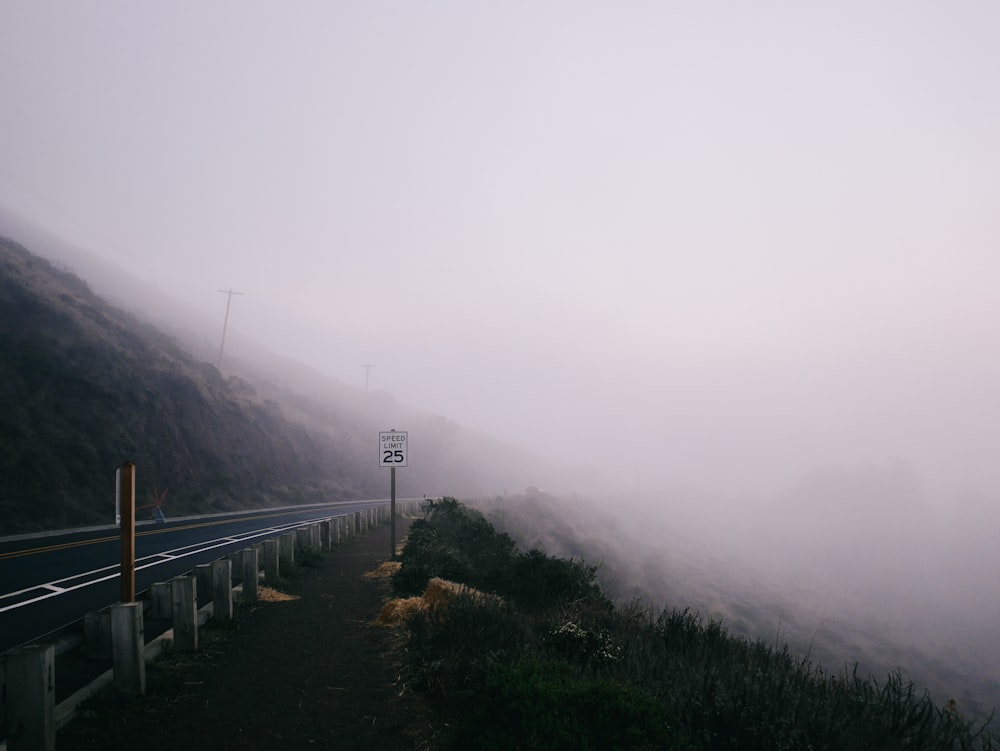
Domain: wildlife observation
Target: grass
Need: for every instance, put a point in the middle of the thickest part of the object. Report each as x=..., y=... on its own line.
x=550, y=663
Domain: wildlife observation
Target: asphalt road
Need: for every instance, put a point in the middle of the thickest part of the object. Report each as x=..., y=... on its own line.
x=50, y=581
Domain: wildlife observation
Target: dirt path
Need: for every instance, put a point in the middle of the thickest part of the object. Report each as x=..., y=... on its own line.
x=300, y=674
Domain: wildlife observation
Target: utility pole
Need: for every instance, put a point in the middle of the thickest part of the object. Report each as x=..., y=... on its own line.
x=368, y=369
x=125, y=493
x=225, y=322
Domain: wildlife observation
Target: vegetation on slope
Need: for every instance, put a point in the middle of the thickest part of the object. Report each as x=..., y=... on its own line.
x=85, y=386
x=550, y=663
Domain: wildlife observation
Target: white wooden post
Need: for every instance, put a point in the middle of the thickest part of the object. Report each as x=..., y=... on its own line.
x=250, y=575
x=302, y=537
x=272, y=564
x=128, y=647
x=222, y=590
x=184, y=598
x=31, y=695
x=97, y=634
x=203, y=573
x=161, y=607
x=287, y=548
x=237, y=570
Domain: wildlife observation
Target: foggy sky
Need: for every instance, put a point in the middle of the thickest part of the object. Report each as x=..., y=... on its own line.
x=717, y=244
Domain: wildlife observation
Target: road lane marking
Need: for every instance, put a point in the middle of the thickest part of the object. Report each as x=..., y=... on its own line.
x=176, y=553
x=145, y=533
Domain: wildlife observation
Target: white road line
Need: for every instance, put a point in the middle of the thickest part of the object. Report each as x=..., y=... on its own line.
x=166, y=556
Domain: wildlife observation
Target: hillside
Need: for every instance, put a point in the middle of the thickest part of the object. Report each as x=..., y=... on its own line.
x=86, y=385
x=762, y=586
x=525, y=650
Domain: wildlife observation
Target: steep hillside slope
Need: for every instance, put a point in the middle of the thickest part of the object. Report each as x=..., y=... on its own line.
x=85, y=386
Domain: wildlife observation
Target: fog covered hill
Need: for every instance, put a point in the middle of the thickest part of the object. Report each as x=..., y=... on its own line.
x=893, y=593
x=86, y=385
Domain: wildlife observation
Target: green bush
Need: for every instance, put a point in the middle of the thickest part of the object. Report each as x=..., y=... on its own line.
x=546, y=705
x=457, y=543
x=538, y=581
x=449, y=649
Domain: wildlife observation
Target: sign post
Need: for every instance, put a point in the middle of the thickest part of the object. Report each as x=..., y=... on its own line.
x=392, y=453
x=125, y=495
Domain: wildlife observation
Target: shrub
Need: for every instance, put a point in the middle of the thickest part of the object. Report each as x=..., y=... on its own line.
x=456, y=543
x=538, y=581
x=545, y=705
x=450, y=646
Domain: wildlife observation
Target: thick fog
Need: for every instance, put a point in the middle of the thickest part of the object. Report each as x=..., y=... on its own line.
x=706, y=245
x=737, y=259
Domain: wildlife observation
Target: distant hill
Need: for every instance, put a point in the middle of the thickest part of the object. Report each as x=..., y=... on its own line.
x=86, y=385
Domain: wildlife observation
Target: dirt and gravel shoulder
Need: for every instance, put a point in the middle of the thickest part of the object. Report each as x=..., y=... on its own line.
x=310, y=672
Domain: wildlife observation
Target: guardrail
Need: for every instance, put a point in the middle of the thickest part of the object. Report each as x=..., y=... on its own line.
x=117, y=634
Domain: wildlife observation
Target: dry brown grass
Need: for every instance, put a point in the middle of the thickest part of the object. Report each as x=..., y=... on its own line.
x=384, y=571
x=267, y=594
x=441, y=591
x=395, y=612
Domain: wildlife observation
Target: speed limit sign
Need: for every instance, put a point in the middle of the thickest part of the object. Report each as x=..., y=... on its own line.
x=392, y=448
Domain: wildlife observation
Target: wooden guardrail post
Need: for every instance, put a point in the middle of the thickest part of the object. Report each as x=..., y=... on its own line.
x=128, y=656
x=287, y=548
x=272, y=562
x=31, y=698
x=183, y=595
x=302, y=537
x=97, y=634
x=203, y=574
x=161, y=607
x=250, y=569
x=222, y=589
x=237, y=570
